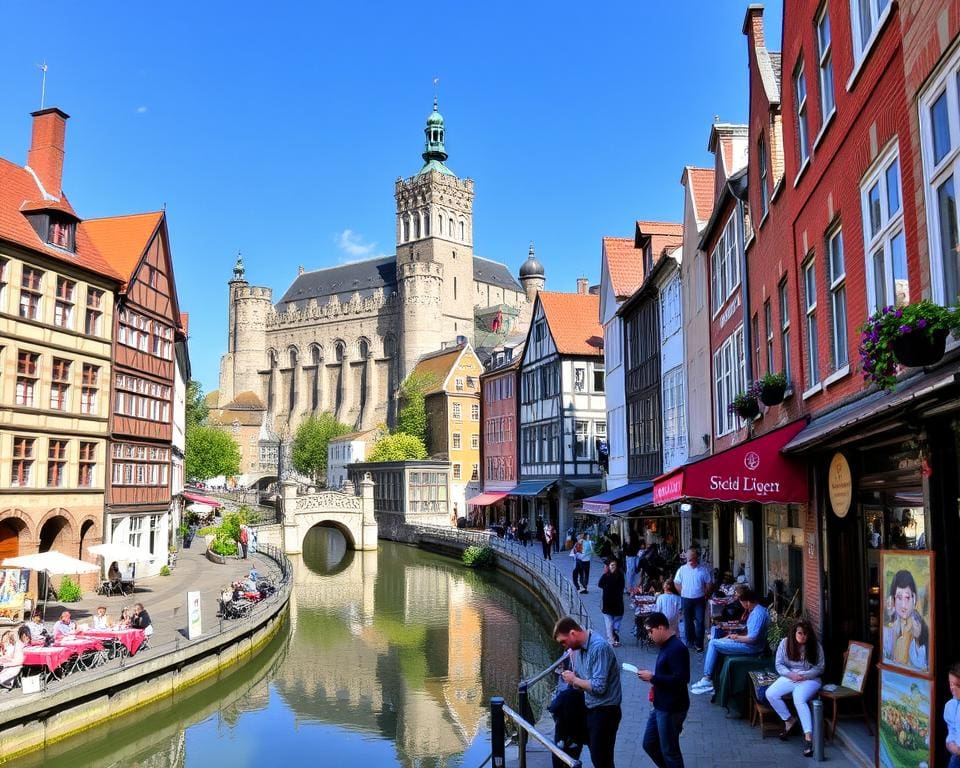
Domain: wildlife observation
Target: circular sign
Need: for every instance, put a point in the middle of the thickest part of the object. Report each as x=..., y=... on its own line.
x=840, y=485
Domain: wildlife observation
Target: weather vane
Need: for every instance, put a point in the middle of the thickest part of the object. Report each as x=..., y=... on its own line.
x=43, y=82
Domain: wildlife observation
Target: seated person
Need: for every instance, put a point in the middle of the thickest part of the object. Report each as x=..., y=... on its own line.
x=141, y=619
x=254, y=575
x=100, y=620
x=66, y=627
x=752, y=642
x=226, y=596
x=800, y=664
x=12, y=659
x=124, y=621
x=37, y=630
x=113, y=575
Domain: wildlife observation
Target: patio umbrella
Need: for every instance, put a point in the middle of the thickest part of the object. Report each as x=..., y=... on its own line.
x=121, y=551
x=51, y=562
x=200, y=508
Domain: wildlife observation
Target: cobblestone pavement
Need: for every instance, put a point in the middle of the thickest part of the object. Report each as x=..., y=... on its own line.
x=709, y=739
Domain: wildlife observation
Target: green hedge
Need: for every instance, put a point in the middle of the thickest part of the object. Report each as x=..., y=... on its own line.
x=479, y=557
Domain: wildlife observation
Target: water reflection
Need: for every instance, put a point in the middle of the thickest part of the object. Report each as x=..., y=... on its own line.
x=391, y=659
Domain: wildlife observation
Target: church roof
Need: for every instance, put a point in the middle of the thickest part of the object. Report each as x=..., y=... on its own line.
x=364, y=277
x=494, y=273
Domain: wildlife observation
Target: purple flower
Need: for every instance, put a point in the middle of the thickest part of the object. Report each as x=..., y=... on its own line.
x=898, y=314
x=906, y=328
x=921, y=323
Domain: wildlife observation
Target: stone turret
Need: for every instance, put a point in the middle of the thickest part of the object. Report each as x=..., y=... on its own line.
x=532, y=275
x=247, y=315
x=421, y=286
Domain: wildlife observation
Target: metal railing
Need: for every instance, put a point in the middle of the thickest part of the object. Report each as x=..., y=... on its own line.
x=498, y=713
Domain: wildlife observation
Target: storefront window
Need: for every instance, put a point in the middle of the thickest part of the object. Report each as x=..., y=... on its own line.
x=784, y=544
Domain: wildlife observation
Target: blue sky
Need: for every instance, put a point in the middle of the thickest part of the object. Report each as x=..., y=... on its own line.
x=279, y=130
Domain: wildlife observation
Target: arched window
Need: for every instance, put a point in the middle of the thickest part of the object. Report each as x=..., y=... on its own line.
x=463, y=230
x=316, y=357
x=406, y=229
x=316, y=354
x=338, y=350
x=416, y=226
x=272, y=358
x=292, y=354
x=426, y=224
x=440, y=224
x=363, y=348
x=451, y=230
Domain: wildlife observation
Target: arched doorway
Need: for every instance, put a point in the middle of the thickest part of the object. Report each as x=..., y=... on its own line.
x=54, y=535
x=10, y=538
x=86, y=539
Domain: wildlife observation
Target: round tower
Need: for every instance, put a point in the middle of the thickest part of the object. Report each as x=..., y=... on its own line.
x=247, y=313
x=532, y=275
x=420, y=285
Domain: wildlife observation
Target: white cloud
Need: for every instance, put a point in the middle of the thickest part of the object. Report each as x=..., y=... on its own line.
x=354, y=245
x=141, y=110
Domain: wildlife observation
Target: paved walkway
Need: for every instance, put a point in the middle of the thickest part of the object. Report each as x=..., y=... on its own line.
x=709, y=738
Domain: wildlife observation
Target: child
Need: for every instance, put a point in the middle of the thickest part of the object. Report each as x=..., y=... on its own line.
x=951, y=715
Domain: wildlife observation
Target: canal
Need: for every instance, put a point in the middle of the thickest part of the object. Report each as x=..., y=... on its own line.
x=389, y=659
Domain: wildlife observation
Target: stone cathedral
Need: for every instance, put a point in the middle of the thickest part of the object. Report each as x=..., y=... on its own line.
x=341, y=339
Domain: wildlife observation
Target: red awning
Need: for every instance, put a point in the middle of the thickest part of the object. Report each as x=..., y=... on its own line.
x=485, y=499
x=200, y=499
x=752, y=471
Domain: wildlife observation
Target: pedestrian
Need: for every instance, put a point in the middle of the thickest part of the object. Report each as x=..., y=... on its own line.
x=584, y=558
x=694, y=584
x=951, y=715
x=244, y=541
x=631, y=550
x=597, y=673
x=611, y=603
x=548, y=535
x=671, y=702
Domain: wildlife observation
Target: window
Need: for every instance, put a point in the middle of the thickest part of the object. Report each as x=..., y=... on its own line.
x=582, y=443
x=800, y=93
x=784, y=327
x=459, y=385
x=940, y=138
x=22, y=462
x=762, y=173
x=724, y=266
x=670, y=308
x=475, y=441
x=4, y=266
x=825, y=52
x=700, y=275
x=456, y=471
x=59, y=384
x=91, y=322
x=768, y=323
x=63, y=309
x=866, y=16
x=56, y=462
x=30, y=286
x=674, y=412
x=883, y=234
x=136, y=531
x=599, y=379
x=810, y=303
x=475, y=472
x=87, y=465
x=474, y=411
x=838, y=299
x=729, y=377
x=755, y=335
x=538, y=331
x=88, y=392
x=27, y=378
x=579, y=378
x=456, y=441
x=60, y=233
x=457, y=415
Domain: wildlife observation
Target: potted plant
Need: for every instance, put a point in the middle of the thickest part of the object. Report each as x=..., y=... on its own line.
x=186, y=535
x=771, y=388
x=912, y=335
x=745, y=405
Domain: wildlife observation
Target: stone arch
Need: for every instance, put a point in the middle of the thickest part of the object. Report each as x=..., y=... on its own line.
x=405, y=224
x=272, y=358
x=426, y=223
x=344, y=530
x=363, y=348
x=451, y=227
x=416, y=225
x=14, y=532
x=21, y=521
x=60, y=525
x=463, y=230
x=89, y=533
x=316, y=353
x=440, y=223
x=339, y=350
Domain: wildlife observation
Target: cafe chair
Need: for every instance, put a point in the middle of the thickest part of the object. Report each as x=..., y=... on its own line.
x=853, y=691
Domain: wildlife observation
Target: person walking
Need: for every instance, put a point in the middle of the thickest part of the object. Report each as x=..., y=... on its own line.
x=671, y=702
x=611, y=604
x=631, y=551
x=596, y=672
x=549, y=534
x=584, y=558
x=244, y=541
x=694, y=584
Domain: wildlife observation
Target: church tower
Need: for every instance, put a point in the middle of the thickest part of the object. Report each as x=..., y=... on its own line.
x=434, y=251
x=248, y=310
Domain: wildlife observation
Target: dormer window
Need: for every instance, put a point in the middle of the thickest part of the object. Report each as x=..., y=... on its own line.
x=61, y=232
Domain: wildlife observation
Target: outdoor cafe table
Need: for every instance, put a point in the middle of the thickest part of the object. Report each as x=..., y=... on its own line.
x=131, y=639
x=55, y=656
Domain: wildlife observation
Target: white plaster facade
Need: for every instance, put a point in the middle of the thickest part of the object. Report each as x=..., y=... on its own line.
x=345, y=450
x=672, y=363
x=616, y=399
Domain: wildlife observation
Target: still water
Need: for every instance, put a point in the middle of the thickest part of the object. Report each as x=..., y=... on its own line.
x=390, y=659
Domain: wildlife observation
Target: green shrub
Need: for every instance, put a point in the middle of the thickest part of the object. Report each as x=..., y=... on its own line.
x=479, y=557
x=70, y=591
x=165, y=571
x=223, y=546
x=209, y=530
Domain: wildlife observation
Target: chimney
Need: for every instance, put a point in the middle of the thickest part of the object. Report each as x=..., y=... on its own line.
x=45, y=157
x=582, y=284
x=753, y=25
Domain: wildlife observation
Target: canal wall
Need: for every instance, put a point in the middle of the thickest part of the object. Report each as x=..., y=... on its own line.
x=39, y=720
x=526, y=564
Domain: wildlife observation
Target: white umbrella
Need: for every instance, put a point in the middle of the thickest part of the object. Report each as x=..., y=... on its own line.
x=200, y=508
x=51, y=562
x=121, y=551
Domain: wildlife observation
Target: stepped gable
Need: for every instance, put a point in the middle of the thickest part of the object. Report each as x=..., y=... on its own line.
x=343, y=280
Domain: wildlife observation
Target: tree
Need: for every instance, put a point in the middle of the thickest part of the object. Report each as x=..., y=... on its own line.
x=211, y=452
x=412, y=416
x=196, y=408
x=309, y=452
x=398, y=447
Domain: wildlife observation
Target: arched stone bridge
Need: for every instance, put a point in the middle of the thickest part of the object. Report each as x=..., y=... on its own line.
x=351, y=514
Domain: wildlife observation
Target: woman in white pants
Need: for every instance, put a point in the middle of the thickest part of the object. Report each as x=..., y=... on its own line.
x=800, y=664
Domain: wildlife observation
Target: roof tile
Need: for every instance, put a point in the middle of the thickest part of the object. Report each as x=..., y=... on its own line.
x=123, y=239
x=574, y=322
x=624, y=265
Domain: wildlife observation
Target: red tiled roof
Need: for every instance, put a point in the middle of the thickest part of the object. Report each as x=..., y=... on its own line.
x=659, y=228
x=48, y=205
x=701, y=187
x=123, y=239
x=18, y=187
x=663, y=235
x=624, y=265
x=574, y=322
x=185, y=322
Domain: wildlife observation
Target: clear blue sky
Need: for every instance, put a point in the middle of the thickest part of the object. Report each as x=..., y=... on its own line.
x=279, y=130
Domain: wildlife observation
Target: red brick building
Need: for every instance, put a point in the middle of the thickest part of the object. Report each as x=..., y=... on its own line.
x=498, y=439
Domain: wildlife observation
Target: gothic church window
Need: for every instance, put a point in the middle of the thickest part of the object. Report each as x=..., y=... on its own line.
x=416, y=226
x=339, y=348
x=363, y=348
x=406, y=229
x=426, y=225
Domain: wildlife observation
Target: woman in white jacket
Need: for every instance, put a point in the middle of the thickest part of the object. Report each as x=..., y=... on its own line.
x=12, y=659
x=800, y=664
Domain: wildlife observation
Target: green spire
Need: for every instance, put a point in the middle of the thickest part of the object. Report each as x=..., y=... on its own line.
x=238, y=270
x=434, y=153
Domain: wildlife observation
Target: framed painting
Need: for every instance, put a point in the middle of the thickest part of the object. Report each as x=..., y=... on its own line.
x=856, y=666
x=907, y=610
x=905, y=732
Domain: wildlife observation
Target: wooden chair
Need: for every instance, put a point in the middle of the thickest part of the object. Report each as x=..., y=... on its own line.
x=856, y=663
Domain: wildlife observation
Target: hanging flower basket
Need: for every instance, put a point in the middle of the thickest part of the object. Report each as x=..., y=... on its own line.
x=745, y=405
x=910, y=336
x=771, y=388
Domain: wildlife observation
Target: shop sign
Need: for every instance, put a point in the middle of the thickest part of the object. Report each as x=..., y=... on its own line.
x=840, y=485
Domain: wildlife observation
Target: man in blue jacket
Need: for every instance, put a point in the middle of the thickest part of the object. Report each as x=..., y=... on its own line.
x=669, y=678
